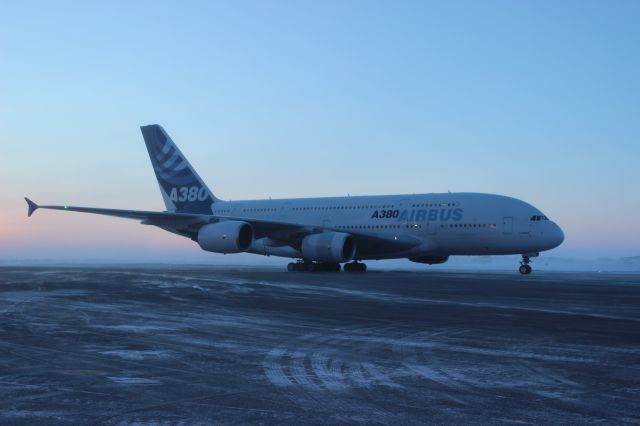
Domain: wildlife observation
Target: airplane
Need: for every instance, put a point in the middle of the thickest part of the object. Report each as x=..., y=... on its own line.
x=323, y=233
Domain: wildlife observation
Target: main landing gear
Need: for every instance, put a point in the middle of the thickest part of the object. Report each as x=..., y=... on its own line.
x=302, y=266
x=355, y=267
x=525, y=268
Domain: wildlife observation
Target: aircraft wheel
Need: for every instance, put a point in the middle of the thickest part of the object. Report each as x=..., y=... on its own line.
x=524, y=269
x=303, y=267
x=297, y=267
x=355, y=267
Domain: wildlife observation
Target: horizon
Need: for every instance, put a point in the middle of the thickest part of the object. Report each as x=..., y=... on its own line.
x=468, y=264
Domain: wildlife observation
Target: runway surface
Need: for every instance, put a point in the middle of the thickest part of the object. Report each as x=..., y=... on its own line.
x=187, y=346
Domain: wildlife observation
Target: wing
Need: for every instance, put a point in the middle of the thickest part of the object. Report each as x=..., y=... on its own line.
x=292, y=234
x=128, y=214
x=185, y=224
x=285, y=233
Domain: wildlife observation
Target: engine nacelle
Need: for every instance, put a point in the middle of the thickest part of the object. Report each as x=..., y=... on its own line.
x=430, y=260
x=332, y=247
x=226, y=237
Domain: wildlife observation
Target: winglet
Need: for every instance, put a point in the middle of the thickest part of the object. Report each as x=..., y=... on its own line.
x=32, y=206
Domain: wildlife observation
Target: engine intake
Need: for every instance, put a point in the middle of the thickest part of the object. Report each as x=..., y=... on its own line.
x=333, y=247
x=226, y=237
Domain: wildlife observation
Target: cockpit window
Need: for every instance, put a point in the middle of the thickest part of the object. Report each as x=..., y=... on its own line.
x=538, y=218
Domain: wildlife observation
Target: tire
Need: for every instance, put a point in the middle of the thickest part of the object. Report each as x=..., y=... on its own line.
x=333, y=267
x=291, y=267
x=524, y=269
x=348, y=267
x=529, y=269
x=362, y=267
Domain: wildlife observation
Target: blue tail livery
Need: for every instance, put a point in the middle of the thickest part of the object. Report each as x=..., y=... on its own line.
x=182, y=189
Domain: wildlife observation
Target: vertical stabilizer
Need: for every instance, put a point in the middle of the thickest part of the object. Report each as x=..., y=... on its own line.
x=181, y=187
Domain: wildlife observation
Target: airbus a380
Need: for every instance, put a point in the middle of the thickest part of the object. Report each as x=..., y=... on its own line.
x=323, y=233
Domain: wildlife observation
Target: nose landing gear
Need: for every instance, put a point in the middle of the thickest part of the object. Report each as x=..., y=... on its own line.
x=525, y=268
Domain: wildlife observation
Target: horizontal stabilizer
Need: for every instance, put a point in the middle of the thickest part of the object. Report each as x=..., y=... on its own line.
x=32, y=206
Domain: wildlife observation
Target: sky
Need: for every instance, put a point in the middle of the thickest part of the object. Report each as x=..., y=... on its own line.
x=539, y=100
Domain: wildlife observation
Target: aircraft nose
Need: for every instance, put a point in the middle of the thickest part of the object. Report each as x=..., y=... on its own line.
x=556, y=236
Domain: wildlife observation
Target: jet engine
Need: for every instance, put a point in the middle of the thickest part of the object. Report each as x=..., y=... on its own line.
x=331, y=247
x=430, y=260
x=226, y=237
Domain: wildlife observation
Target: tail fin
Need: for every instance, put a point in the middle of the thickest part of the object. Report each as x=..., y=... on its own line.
x=181, y=187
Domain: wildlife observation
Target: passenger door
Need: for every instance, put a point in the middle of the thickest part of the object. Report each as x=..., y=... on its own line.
x=284, y=211
x=507, y=225
x=405, y=204
x=431, y=228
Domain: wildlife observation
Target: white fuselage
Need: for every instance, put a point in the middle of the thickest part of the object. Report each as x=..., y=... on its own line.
x=445, y=224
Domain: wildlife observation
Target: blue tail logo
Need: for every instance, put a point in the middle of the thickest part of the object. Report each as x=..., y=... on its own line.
x=181, y=187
